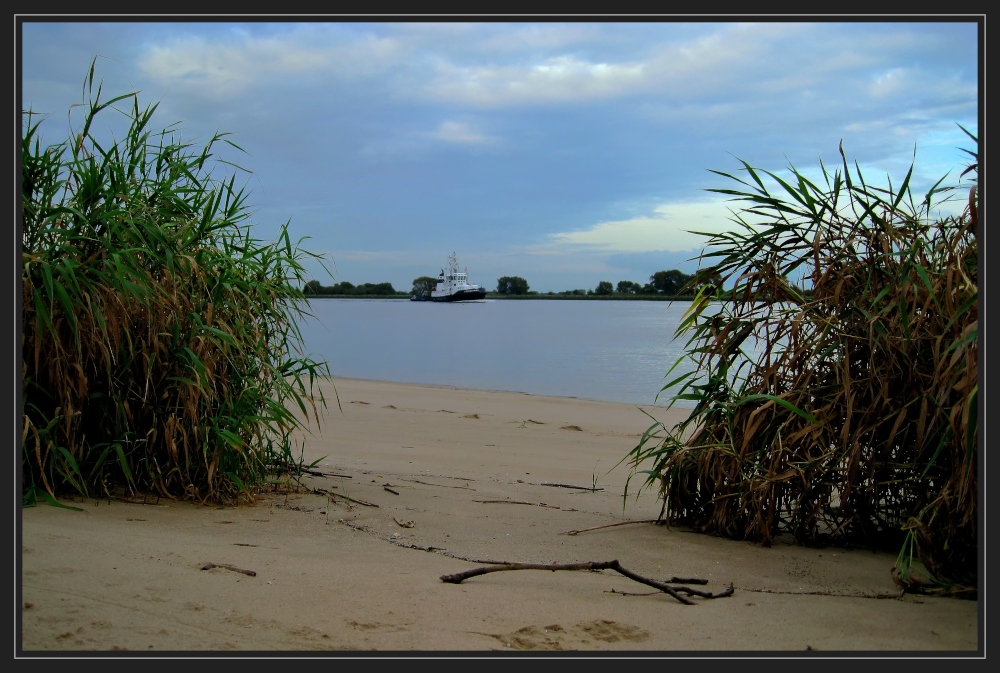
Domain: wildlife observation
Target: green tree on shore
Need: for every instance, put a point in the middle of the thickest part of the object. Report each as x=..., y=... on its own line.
x=512, y=285
x=628, y=287
x=423, y=285
x=346, y=288
x=668, y=282
x=604, y=288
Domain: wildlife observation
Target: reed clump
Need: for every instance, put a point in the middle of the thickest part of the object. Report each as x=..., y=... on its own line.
x=160, y=347
x=845, y=415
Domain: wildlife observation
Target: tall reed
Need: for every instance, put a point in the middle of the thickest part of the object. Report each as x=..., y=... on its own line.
x=843, y=415
x=160, y=346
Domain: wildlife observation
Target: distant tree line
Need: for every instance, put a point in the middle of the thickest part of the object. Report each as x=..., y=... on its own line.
x=664, y=283
x=669, y=283
x=313, y=287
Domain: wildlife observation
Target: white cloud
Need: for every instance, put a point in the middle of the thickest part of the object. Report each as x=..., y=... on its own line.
x=414, y=143
x=890, y=83
x=233, y=63
x=541, y=36
x=719, y=64
x=460, y=133
x=668, y=227
x=561, y=78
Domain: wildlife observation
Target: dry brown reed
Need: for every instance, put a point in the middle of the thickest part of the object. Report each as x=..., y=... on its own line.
x=840, y=407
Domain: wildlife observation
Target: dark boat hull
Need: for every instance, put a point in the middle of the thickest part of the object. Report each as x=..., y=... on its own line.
x=462, y=295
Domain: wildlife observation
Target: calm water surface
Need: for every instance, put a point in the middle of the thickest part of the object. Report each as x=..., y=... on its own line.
x=616, y=351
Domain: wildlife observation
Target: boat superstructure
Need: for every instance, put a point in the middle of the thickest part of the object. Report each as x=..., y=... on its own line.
x=453, y=285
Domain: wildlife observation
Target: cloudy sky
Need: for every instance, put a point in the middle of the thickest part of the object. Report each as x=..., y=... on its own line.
x=564, y=152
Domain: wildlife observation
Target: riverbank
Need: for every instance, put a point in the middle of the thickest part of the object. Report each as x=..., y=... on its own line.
x=414, y=482
x=598, y=297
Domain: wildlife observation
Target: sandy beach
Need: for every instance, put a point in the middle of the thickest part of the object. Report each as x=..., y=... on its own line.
x=415, y=482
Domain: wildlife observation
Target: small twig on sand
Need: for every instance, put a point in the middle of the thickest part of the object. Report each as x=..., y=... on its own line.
x=334, y=496
x=581, y=488
x=386, y=488
x=209, y=566
x=686, y=580
x=591, y=565
x=516, y=502
x=300, y=469
x=629, y=593
x=354, y=500
x=608, y=525
x=425, y=483
x=317, y=473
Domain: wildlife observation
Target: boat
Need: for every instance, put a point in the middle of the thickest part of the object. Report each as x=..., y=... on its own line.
x=453, y=285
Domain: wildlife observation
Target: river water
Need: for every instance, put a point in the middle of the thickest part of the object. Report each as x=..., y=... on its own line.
x=616, y=351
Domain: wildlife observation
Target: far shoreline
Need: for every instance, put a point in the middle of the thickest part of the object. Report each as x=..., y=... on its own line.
x=522, y=297
x=332, y=379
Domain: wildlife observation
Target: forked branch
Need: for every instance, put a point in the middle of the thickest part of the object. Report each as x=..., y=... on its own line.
x=674, y=591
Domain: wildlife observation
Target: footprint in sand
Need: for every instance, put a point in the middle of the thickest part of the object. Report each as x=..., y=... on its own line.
x=389, y=406
x=556, y=637
x=532, y=638
x=577, y=428
x=612, y=632
x=358, y=402
x=471, y=416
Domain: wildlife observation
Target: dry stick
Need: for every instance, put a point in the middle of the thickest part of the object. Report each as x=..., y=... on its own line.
x=386, y=488
x=591, y=565
x=516, y=502
x=291, y=467
x=608, y=525
x=582, y=488
x=209, y=566
x=360, y=502
x=334, y=497
x=686, y=580
x=417, y=481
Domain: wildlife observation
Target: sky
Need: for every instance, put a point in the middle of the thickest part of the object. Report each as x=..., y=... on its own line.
x=566, y=152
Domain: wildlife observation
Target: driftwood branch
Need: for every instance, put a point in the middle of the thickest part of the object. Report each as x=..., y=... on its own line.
x=608, y=525
x=516, y=502
x=301, y=469
x=335, y=496
x=674, y=591
x=209, y=566
x=317, y=473
x=581, y=488
x=425, y=483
